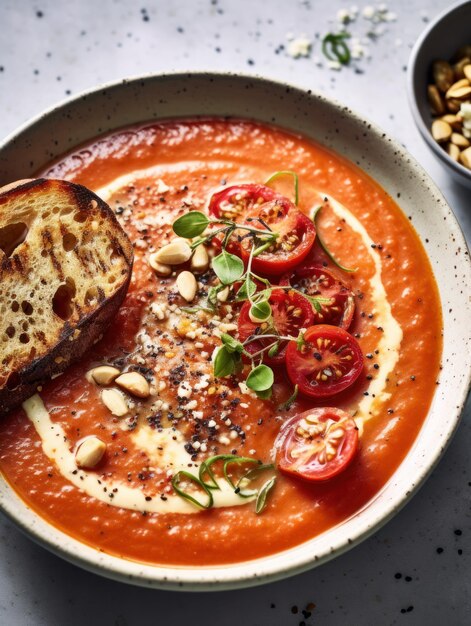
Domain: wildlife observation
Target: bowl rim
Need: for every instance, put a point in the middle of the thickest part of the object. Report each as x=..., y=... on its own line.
x=277, y=566
x=459, y=169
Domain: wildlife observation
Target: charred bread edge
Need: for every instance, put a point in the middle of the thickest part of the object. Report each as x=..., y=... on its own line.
x=72, y=346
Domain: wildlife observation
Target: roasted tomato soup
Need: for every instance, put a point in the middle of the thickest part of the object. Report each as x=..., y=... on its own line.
x=269, y=368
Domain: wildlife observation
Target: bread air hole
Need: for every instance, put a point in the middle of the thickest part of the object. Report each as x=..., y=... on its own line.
x=91, y=297
x=11, y=236
x=69, y=241
x=80, y=216
x=26, y=307
x=62, y=302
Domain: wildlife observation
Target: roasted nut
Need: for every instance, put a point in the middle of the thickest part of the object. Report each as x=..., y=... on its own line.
x=159, y=268
x=104, y=374
x=453, y=151
x=200, y=260
x=115, y=402
x=435, y=100
x=176, y=252
x=441, y=131
x=458, y=68
x=459, y=140
x=443, y=75
x=459, y=90
x=134, y=383
x=90, y=452
x=467, y=71
x=453, y=105
x=455, y=121
x=187, y=285
x=223, y=294
x=465, y=158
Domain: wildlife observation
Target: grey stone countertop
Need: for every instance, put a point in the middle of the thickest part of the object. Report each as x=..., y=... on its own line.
x=417, y=569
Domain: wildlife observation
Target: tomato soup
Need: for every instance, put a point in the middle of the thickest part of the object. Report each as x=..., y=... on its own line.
x=129, y=504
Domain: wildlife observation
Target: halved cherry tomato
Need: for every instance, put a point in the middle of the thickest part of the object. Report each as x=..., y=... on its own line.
x=296, y=235
x=315, y=280
x=290, y=312
x=317, y=445
x=328, y=362
x=234, y=202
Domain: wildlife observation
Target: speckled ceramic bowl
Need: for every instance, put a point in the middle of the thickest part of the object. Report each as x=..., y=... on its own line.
x=440, y=40
x=155, y=97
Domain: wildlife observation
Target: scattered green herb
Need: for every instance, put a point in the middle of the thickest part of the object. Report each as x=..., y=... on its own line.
x=261, y=378
x=335, y=48
x=191, y=224
x=207, y=482
x=262, y=496
x=176, y=480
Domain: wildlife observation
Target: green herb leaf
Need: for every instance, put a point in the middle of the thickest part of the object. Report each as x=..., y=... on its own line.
x=176, y=480
x=227, y=267
x=191, y=224
x=224, y=363
x=295, y=180
x=287, y=405
x=231, y=344
x=315, y=219
x=335, y=48
x=261, y=378
x=264, y=395
x=261, y=311
x=261, y=501
x=245, y=293
x=274, y=350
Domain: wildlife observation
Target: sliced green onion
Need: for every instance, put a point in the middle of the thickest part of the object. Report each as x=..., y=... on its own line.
x=315, y=219
x=335, y=48
x=295, y=180
x=248, y=476
x=261, y=501
x=186, y=496
x=239, y=461
x=205, y=468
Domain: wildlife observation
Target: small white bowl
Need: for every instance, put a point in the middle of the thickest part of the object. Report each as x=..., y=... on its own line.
x=440, y=40
x=157, y=97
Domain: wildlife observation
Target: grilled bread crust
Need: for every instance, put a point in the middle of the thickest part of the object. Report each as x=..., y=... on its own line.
x=65, y=267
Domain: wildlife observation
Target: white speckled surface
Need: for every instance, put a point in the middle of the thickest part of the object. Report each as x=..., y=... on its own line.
x=83, y=44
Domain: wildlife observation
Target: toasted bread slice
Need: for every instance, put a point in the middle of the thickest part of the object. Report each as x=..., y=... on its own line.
x=65, y=266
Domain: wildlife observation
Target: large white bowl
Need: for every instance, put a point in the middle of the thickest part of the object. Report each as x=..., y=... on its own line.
x=156, y=97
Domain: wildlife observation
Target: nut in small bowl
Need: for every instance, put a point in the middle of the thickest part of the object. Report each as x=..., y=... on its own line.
x=439, y=86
